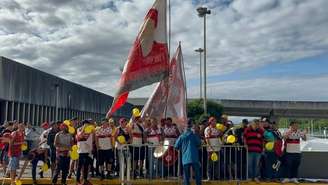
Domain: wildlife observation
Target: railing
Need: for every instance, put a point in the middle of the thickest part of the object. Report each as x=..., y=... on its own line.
x=163, y=162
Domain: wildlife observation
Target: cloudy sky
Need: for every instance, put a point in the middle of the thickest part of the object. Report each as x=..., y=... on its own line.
x=257, y=49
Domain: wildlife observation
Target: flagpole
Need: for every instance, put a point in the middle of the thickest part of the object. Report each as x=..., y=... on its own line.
x=169, y=28
x=168, y=13
x=184, y=76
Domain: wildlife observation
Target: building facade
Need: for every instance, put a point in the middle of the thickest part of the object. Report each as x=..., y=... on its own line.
x=30, y=95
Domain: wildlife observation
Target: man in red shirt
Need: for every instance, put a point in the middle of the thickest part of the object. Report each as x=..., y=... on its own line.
x=15, y=151
x=254, y=140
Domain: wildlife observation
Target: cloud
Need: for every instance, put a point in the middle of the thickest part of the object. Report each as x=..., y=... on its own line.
x=88, y=41
x=286, y=88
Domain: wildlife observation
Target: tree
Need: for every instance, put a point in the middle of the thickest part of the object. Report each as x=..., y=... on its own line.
x=195, y=109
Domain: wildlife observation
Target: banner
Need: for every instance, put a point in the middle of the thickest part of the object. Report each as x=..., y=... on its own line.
x=147, y=62
x=170, y=94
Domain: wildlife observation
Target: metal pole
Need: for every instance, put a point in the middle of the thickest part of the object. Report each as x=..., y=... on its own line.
x=200, y=76
x=205, y=96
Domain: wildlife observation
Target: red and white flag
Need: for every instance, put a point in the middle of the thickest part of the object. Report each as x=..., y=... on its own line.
x=148, y=61
x=170, y=94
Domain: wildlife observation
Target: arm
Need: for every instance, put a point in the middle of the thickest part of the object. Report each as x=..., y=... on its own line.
x=56, y=141
x=178, y=143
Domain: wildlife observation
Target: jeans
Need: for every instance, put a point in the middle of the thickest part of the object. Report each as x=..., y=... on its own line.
x=84, y=161
x=186, y=172
x=35, y=164
x=63, y=166
x=253, y=164
x=293, y=161
x=213, y=167
x=153, y=169
x=270, y=158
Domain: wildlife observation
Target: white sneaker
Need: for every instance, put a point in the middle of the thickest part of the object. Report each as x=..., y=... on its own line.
x=257, y=180
x=295, y=181
x=286, y=180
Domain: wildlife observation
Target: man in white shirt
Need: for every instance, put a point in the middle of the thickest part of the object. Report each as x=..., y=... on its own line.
x=292, y=139
x=212, y=138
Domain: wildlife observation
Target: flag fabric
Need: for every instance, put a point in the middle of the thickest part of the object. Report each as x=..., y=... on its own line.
x=177, y=97
x=170, y=94
x=147, y=61
x=156, y=104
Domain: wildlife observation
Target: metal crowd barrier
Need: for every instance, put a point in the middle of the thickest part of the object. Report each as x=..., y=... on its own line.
x=163, y=162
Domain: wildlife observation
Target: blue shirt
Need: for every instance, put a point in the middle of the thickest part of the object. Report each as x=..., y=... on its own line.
x=188, y=144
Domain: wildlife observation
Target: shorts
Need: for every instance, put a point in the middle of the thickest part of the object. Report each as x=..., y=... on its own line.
x=13, y=163
x=105, y=156
x=138, y=153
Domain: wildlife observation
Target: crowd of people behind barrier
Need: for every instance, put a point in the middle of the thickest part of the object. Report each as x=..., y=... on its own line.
x=249, y=151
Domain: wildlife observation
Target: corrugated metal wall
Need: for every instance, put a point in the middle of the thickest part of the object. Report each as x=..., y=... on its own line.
x=30, y=95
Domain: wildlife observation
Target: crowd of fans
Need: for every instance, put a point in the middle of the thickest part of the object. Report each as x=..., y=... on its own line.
x=254, y=150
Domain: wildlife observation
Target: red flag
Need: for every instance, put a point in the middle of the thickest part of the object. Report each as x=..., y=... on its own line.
x=156, y=104
x=147, y=62
x=176, y=100
x=170, y=94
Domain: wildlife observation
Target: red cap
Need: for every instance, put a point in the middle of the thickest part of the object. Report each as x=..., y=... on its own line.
x=62, y=126
x=45, y=125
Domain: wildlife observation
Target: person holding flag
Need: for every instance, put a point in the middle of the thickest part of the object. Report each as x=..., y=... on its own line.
x=137, y=149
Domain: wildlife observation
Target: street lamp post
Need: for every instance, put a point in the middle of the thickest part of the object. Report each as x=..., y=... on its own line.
x=200, y=51
x=202, y=12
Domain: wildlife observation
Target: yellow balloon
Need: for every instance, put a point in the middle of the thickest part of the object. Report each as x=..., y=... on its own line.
x=231, y=139
x=269, y=146
x=74, y=155
x=24, y=147
x=44, y=167
x=136, y=112
x=75, y=148
x=220, y=127
x=214, y=157
x=68, y=123
x=121, y=139
x=88, y=129
x=71, y=130
x=18, y=182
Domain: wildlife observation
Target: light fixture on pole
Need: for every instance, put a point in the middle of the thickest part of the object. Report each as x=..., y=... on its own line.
x=200, y=51
x=202, y=12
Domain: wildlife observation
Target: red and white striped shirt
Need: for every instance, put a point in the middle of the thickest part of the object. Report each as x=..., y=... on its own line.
x=153, y=135
x=212, y=135
x=293, y=140
x=104, y=136
x=170, y=134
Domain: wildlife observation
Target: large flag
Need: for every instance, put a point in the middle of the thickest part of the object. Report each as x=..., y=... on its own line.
x=156, y=104
x=148, y=61
x=170, y=94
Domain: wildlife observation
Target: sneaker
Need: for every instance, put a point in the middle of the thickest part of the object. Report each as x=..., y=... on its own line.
x=257, y=180
x=34, y=182
x=294, y=180
x=286, y=180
